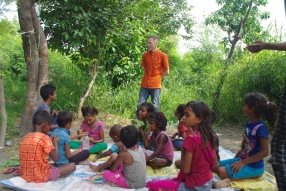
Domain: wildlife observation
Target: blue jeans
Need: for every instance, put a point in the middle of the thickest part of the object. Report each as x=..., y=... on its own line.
x=144, y=95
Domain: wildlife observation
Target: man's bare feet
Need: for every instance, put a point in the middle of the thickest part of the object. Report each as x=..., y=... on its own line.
x=95, y=168
x=222, y=183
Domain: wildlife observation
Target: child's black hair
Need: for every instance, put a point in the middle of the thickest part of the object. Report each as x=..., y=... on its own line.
x=159, y=119
x=262, y=107
x=46, y=91
x=88, y=111
x=129, y=136
x=150, y=107
x=64, y=117
x=42, y=116
x=115, y=130
x=180, y=110
x=202, y=110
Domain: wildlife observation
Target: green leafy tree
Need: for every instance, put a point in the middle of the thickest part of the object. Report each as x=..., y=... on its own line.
x=111, y=33
x=240, y=19
x=8, y=36
x=3, y=9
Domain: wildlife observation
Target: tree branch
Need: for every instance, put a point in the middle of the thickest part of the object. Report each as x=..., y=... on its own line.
x=248, y=12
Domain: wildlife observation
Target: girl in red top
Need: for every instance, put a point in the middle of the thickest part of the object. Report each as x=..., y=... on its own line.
x=182, y=130
x=197, y=154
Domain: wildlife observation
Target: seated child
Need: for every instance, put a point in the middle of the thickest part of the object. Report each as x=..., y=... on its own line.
x=248, y=162
x=95, y=130
x=198, y=152
x=182, y=130
x=163, y=154
x=129, y=168
x=35, y=148
x=114, y=134
x=141, y=124
x=213, y=118
x=65, y=119
x=48, y=93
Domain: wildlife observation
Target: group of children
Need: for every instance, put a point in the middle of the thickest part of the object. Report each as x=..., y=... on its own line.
x=196, y=139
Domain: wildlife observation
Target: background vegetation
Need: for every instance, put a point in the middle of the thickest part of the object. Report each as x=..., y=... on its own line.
x=193, y=76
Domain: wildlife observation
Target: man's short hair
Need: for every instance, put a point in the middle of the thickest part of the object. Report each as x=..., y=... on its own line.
x=154, y=38
x=46, y=91
x=129, y=136
x=41, y=117
x=64, y=117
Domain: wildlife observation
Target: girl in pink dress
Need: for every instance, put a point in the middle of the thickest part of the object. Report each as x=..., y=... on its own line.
x=94, y=128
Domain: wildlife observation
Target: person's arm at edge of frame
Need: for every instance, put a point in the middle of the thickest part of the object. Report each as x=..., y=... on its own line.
x=257, y=46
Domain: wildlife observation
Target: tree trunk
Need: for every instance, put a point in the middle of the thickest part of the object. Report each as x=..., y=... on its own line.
x=3, y=112
x=82, y=100
x=233, y=42
x=36, y=57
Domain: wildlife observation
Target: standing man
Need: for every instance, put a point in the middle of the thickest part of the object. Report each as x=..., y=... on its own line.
x=156, y=67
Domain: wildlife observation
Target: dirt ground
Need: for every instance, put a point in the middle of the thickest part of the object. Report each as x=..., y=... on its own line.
x=229, y=138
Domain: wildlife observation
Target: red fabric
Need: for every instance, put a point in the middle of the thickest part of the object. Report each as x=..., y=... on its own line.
x=166, y=184
x=200, y=171
x=153, y=64
x=116, y=177
x=182, y=128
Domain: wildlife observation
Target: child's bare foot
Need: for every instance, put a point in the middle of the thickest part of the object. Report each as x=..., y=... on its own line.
x=95, y=168
x=222, y=183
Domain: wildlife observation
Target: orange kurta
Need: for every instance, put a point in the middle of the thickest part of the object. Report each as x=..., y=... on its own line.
x=33, y=153
x=153, y=65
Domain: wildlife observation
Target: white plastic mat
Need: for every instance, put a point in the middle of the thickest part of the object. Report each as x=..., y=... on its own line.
x=76, y=182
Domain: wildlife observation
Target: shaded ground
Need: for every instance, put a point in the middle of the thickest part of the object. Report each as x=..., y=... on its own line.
x=229, y=137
